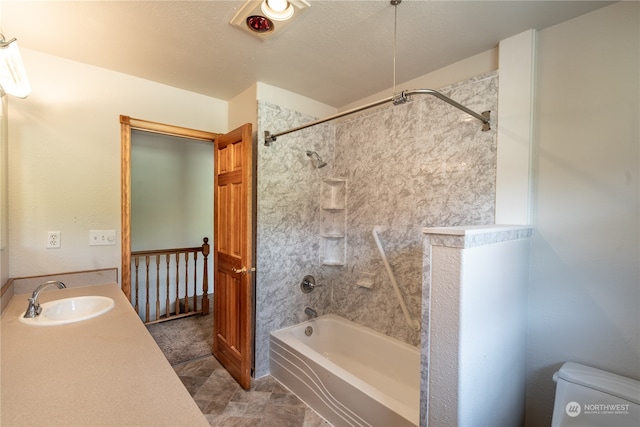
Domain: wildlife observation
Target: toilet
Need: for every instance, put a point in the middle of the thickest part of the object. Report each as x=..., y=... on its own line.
x=590, y=397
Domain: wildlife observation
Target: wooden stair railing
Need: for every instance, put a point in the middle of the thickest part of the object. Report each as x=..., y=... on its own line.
x=176, y=261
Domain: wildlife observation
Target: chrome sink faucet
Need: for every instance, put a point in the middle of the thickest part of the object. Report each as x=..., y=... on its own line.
x=34, y=308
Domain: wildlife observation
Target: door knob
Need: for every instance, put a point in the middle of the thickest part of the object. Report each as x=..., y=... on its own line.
x=242, y=270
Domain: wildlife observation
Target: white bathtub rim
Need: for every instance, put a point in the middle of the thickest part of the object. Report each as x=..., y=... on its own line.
x=406, y=411
x=339, y=319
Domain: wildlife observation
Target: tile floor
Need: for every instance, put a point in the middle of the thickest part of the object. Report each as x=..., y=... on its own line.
x=224, y=403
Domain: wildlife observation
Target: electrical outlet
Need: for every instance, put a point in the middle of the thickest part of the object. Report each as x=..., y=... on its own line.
x=102, y=237
x=53, y=239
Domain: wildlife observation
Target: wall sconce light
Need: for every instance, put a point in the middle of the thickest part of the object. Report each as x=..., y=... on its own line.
x=13, y=77
x=263, y=18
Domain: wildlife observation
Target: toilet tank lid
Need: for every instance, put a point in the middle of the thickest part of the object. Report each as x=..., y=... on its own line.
x=607, y=382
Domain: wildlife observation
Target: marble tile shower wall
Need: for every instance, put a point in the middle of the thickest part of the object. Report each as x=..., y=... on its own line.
x=288, y=224
x=408, y=167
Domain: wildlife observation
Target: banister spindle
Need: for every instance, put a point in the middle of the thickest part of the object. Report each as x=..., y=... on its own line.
x=147, y=287
x=205, y=276
x=167, y=258
x=177, y=283
x=186, y=282
x=157, y=286
x=137, y=264
x=195, y=281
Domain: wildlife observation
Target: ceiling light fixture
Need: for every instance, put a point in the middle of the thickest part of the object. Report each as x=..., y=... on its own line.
x=264, y=18
x=13, y=76
x=278, y=10
x=259, y=24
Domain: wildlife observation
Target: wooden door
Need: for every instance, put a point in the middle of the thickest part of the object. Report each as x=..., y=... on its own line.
x=233, y=253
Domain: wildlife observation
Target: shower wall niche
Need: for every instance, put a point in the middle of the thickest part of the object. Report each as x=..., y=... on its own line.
x=333, y=234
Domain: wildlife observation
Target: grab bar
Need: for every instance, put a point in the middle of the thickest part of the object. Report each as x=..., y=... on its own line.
x=412, y=323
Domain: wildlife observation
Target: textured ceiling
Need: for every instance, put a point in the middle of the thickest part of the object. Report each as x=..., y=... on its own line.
x=335, y=52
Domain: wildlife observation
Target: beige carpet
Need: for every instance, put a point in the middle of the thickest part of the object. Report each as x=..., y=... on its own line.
x=184, y=339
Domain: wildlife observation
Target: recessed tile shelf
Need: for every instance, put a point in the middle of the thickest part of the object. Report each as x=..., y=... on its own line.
x=334, y=221
x=334, y=194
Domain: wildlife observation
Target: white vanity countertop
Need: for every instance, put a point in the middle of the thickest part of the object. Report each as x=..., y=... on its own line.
x=106, y=371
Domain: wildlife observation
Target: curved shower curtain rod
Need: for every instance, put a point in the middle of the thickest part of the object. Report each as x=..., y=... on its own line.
x=397, y=100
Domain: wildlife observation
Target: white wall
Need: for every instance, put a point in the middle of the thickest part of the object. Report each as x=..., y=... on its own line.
x=4, y=187
x=492, y=349
x=585, y=288
x=171, y=191
x=64, y=151
x=243, y=108
x=476, y=65
x=515, y=132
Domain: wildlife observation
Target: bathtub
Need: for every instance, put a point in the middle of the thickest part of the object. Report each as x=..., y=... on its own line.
x=349, y=374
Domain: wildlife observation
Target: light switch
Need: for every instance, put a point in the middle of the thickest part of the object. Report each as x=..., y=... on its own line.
x=102, y=237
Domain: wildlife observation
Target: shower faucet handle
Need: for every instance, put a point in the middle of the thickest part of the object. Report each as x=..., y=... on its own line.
x=308, y=284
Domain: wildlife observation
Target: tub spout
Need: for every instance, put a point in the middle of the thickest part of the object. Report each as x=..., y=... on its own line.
x=310, y=312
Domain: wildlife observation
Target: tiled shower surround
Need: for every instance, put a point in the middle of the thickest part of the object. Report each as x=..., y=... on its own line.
x=416, y=165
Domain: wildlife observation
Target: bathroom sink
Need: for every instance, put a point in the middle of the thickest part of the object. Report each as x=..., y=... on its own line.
x=69, y=310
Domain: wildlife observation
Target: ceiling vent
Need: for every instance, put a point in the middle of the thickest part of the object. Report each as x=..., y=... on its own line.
x=264, y=18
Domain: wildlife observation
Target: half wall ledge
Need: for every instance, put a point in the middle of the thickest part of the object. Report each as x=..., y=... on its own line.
x=474, y=307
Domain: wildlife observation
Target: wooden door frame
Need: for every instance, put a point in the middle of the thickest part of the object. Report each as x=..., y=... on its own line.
x=126, y=125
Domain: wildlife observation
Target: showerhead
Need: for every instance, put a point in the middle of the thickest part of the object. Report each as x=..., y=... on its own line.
x=319, y=162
